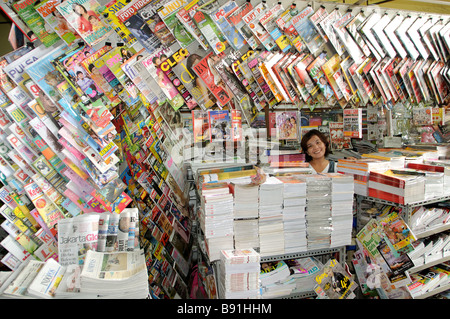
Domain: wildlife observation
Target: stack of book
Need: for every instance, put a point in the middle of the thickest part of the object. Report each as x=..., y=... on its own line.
x=271, y=238
x=445, y=171
x=275, y=280
x=342, y=191
x=397, y=188
x=294, y=219
x=360, y=170
x=318, y=211
x=303, y=271
x=239, y=274
x=245, y=200
x=246, y=233
x=216, y=218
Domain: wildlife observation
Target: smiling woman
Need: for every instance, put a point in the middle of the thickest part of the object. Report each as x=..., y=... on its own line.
x=315, y=145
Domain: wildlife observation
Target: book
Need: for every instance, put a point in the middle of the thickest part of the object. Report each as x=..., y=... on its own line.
x=83, y=16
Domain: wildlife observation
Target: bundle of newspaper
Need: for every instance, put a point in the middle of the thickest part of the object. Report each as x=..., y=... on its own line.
x=239, y=274
x=107, y=275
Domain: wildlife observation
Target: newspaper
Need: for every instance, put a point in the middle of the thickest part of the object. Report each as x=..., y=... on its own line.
x=76, y=236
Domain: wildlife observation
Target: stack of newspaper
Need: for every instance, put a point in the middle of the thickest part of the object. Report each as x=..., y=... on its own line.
x=341, y=209
x=239, y=274
x=115, y=275
x=271, y=238
x=318, y=211
x=216, y=218
x=294, y=219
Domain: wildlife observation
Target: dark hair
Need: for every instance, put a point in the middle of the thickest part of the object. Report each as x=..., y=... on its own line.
x=308, y=136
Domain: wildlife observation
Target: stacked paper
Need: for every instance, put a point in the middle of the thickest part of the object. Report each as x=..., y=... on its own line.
x=239, y=274
x=360, y=170
x=342, y=192
x=245, y=200
x=275, y=281
x=318, y=211
x=398, y=188
x=271, y=237
x=115, y=275
x=216, y=218
x=435, y=168
x=294, y=219
x=246, y=233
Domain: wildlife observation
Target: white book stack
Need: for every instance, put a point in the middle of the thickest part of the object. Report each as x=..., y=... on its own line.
x=271, y=237
x=246, y=233
x=245, y=200
x=275, y=280
x=318, y=211
x=239, y=274
x=216, y=218
x=294, y=218
x=342, y=192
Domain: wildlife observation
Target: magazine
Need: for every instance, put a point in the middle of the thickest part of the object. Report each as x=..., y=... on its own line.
x=83, y=16
x=222, y=18
x=315, y=71
x=337, y=139
x=200, y=126
x=47, y=10
x=305, y=28
x=251, y=20
x=327, y=25
x=167, y=13
x=352, y=121
x=350, y=45
x=185, y=18
x=287, y=125
x=25, y=10
x=219, y=122
x=109, y=15
x=335, y=281
x=211, y=79
x=149, y=13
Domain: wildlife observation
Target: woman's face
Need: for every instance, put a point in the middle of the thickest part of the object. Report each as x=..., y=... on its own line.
x=315, y=147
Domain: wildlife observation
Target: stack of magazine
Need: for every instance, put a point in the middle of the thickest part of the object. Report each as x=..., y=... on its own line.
x=294, y=219
x=239, y=274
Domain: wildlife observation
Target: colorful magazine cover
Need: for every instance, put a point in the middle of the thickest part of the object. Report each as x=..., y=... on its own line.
x=287, y=125
x=47, y=10
x=150, y=15
x=305, y=28
x=184, y=14
x=200, y=126
x=318, y=76
x=337, y=139
x=83, y=16
x=251, y=19
x=219, y=122
x=211, y=79
x=230, y=31
x=168, y=14
x=109, y=15
x=25, y=10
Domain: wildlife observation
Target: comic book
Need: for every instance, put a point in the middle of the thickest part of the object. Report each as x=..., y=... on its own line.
x=202, y=19
x=137, y=26
x=110, y=18
x=167, y=66
x=25, y=10
x=47, y=10
x=229, y=30
x=185, y=18
x=305, y=28
x=211, y=80
x=167, y=12
x=287, y=125
x=83, y=16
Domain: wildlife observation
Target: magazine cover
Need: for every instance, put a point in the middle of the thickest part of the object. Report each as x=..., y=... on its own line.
x=389, y=31
x=352, y=28
x=337, y=139
x=168, y=14
x=200, y=126
x=251, y=19
x=287, y=125
x=150, y=15
x=335, y=281
x=25, y=10
x=219, y=122
x=211, y=79
x=211, y=32
x=137, y=26
x=329, y=69
x=318, y=16
x=305, y=28
x=229, y=30
x=184, y=14
x=378, y=31
x=269, y=22
x=398, y=233
x=110, y=17
x=236, y=19
x=350, y=45
x=352, y=120
x=83, y=16
x=318, y=76
x=327, y=25
x=47, y=10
